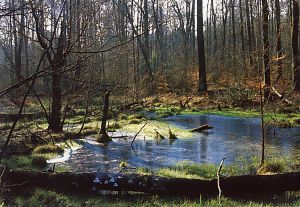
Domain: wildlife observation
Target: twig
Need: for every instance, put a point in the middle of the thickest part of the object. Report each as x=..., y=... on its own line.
x=218, y=177
x=137, y=134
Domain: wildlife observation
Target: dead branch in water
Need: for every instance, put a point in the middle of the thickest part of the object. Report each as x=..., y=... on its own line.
x=137, y=134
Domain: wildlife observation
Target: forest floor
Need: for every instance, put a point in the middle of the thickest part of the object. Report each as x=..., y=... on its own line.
x=41, y=198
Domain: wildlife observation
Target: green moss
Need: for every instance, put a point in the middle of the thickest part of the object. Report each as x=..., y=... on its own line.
x=34, y=161
x=21, y=161
x=103, y=138
x=270, y=168
x=49, y=148
x=113, y=127
x=39, y=162
x=153, y=125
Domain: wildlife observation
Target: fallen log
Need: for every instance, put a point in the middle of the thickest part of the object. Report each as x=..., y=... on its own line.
x=20, y=181
x=202, y=128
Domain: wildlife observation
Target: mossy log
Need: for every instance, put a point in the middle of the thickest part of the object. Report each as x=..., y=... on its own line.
x=202, y=128
x=21, y=181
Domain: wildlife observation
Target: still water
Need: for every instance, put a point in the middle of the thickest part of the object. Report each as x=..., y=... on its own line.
x=232, y=137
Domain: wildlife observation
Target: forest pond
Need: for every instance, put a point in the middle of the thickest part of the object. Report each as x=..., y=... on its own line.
x=232, y=137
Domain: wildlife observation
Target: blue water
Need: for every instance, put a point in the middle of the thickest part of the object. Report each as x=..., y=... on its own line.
x=232, y=137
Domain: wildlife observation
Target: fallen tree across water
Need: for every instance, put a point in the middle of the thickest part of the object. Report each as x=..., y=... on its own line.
x=202, y=128
x=20, y=181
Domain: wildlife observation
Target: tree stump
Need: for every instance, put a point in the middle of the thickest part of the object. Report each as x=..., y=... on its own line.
x=103, y=136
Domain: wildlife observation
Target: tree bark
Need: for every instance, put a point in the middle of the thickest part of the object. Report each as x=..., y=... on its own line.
x=105, y=113
x=278, y=42
x=242, y=26
x=201, y=51
x=249, y=31
x=58, y=64
x=295, y=44
x=267, y=72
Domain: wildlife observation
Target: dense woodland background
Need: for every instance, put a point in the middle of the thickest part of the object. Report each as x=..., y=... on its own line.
x=71, y=51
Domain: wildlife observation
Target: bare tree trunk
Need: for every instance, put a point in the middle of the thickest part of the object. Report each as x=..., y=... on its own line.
x=201, y=51
x=249, y=31
x=57, y=70
x=214, y=17
x=242, y=26
x=267, y=74
x=146, y=33
x=278, y=43
x=103, y=137
x=233, y=24
x=295, y=44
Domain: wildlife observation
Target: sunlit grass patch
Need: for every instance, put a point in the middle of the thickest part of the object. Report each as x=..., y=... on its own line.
x=48, y=148
x=160, y=126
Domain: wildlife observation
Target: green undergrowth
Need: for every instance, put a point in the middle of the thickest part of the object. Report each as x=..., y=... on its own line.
x=41, y=198
x=191, y=170
x=37, y=159
x=34, y=161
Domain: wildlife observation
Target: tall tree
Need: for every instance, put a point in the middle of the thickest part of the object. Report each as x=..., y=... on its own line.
x=214, y=19
x=242, y=26
x=295, y=44
x=56, y=60
x=201, y=51
x=249, y=30
x=278, y=38
x=266, y=60
x=233, y=24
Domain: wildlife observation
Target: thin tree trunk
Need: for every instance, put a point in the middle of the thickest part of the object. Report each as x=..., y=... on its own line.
x=295, y=45
x=242, y=26
x=267, y=74
x=201, y=51
x=249, y=31
x=278, y=42
x=233, y=24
